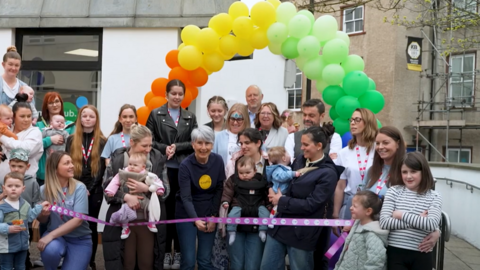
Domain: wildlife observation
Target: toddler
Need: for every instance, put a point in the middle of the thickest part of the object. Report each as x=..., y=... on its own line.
x=57, y=127
x=27, y=90
x=136, y=170
x=6, y=120
x=365, y=246
x=246, y=191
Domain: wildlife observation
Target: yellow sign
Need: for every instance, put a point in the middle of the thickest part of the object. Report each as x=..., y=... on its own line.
x=205, y=181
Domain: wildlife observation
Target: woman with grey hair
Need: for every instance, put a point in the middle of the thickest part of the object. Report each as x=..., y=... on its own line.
x=200, y=178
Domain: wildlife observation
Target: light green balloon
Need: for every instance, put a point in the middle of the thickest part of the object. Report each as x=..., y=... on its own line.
x=355, y=83
x=333, y=74
x=342, y=126
x=335, y=51
x=371, y=84
x=314, y=67
x=353, y=63
x=321, y=85
x=286, y=11
x=300, y=62
x=275, y=48
x=308, y=46
x=299, y=26
x=289, y=48
x=308, y=14
x=325, y=27
x=346, y=105
x=332, y=94
x=343, y=36
x=277, y=32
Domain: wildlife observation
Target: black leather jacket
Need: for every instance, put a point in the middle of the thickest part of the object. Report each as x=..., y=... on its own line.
x=166, y=133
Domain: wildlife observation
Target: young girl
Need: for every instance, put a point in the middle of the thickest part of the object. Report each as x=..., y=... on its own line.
x=288, y=122
x=217, y=109
x=411, y=211
x=365, y=246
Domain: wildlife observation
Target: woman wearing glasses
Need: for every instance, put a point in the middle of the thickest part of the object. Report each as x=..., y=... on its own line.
x=356, y=158
x=269, y=122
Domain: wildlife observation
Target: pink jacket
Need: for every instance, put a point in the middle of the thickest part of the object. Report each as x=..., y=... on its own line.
x=115, y=184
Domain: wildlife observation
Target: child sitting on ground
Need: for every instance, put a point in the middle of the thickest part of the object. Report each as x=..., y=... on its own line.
x=136, y=170
x=57, y=127
x=27, y=90
x=246, y=192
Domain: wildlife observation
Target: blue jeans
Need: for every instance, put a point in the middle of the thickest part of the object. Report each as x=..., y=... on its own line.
x=16, y=260
x=274, y=256
x=76, y=253
x=187, y=237
x=246, y=252
x=237, y=212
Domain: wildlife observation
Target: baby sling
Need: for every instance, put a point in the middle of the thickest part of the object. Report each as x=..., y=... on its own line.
x=250, y=195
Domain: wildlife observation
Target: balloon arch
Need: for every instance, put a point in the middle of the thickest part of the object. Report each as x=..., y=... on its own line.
x=320, y=51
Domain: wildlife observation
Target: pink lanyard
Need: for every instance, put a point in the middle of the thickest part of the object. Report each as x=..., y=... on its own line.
x=178, y=117
x=381, y=184
x=86, y=156
x=360, y=168
x=123, y=140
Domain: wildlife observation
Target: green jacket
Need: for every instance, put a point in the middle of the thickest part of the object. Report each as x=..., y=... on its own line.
x=42, y=163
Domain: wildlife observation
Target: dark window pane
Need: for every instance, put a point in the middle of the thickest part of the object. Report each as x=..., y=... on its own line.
x=465, y=156
x=349, y=27
x=359, y=12
x=60, y=48
x=291, y=99
x=348, y=14
x=298, y=98
x=298, y=81
x=359, y=26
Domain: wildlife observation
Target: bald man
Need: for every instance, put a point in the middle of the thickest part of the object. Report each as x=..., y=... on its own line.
x=254, y=98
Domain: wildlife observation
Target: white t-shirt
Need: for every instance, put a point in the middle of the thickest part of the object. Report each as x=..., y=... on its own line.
x=14, y=204
x=348, y=159
x=232, y=144
x=10, y=92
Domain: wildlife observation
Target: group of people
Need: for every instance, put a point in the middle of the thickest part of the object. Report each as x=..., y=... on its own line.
x=249, y=161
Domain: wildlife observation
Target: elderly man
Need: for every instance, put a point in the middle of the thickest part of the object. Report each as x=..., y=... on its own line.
x=313, y=115
x=254, y=98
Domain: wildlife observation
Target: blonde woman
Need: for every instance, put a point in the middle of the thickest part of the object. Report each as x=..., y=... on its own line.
x=217, y=109
x=66, y=237
x=269, y=123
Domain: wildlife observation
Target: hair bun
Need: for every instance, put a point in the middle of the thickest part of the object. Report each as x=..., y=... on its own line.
x=11, y=49
x=21, y=97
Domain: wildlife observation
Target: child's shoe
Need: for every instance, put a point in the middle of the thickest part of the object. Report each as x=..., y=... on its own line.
x=125, y=232
x=231, y=238
x=152, y=228
x=262, y=235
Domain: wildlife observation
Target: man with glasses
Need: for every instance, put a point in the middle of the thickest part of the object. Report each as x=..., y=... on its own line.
x=254, y=98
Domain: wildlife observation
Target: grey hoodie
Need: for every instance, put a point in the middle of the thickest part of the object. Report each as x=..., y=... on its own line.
x=365, y=248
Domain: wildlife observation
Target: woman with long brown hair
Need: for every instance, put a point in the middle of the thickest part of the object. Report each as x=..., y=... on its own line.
x=85, y=146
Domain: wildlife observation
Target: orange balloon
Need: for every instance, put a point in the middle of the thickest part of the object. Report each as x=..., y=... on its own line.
x=147, y=97
x=142, y=115
x=159, y=87
x=156, y=102
x=198, y=77
x=172, y=59
x=193, y=91
x=186, y=100
x=179, y=73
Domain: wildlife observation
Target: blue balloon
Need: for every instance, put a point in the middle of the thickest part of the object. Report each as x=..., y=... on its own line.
x=345, y=138
x=81, y=101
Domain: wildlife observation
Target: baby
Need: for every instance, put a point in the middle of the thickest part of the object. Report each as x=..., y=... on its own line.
x=57, y=127
x=29, y=92
x=136, y=170
x=6, y=119
x=279, y=173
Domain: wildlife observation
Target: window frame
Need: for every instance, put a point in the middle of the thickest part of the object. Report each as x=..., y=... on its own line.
x=465, y=6
x=343, y=22
x=294, y=88
x=468, y=149
x=462, y=56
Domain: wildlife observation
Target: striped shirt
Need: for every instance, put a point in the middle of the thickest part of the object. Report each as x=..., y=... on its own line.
x=409, y=232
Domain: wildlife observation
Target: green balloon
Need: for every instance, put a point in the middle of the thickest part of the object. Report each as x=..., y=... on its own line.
x=346, y=105
x=371, y=84
x=299, y=26
x=379, y=125
x=71, y=111
x=335, y=51
x=286, y=11
x=308, y=14
x=275, y=48
x=314, y=67
x=333, y=113
x=277, y=32
x=343, y=36
x=289, y=48
x=325, y=27
x=353, y=63
x=333, y=74
x=308, y=46
x=355, y=83
x=342, y=126
x=321, y=86
x=372, y=100
x=332, y=94
x=300, y=62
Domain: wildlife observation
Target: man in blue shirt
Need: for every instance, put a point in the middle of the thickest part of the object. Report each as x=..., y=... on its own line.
x=254, y=98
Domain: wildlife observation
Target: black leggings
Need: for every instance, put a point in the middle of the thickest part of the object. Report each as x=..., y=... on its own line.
x=404, y=259
x=94, y=204
x=170, y=205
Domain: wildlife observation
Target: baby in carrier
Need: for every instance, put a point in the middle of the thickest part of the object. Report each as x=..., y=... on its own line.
x=136, y=170
x=246, y=192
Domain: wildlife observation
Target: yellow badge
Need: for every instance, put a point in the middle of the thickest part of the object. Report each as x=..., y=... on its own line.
x=205, y=182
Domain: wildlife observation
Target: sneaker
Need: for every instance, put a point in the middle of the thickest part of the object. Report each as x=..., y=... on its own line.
x=152, y=228
x=60, y=263
x=176, y=260
x=38, y=262
x=167, y=261
x=125, y=233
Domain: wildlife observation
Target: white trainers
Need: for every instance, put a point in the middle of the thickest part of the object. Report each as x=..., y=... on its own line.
x=177, y=257
x=125, y=232
x=167, y=261
x=152, y=228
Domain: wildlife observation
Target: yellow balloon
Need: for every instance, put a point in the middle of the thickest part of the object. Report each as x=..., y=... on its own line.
x=226, y=56
x=228, y=45
x=208, y=71
x=259, y=39
x=263, y=14
x=189, y=34
x=238, y=9
x=190, y=57
x=243, y=27
x=275, y=3
x=208, y=40
x=244, y=47
x=213, y=61
x=221, y=23
x=181, y=46
x=275, y=48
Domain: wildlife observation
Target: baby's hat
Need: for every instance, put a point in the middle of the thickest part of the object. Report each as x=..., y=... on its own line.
x=20, y=154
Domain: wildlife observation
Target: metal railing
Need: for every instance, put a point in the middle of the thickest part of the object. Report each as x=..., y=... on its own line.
x=451, y=181
x=439, y=250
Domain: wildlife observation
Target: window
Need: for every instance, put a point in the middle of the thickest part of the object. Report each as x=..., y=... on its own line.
x=457, y=155
x=353, y=20
x=462, y=80
x=466, y=5
x=295, y=93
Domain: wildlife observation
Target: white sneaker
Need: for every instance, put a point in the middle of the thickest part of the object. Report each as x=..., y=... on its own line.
x=125, y=233
x=167, y=261
x=38, y=262
x=177, y=257
x=152, y=228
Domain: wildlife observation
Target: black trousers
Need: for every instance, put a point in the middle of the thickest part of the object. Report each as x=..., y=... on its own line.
x=94, y=204
x=404, y=259
x=170, y=202
x=320, y=262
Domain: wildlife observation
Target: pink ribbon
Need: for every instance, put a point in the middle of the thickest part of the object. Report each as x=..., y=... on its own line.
x=336, y=246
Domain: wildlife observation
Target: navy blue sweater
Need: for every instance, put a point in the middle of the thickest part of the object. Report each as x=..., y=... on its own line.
x=201, y=187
